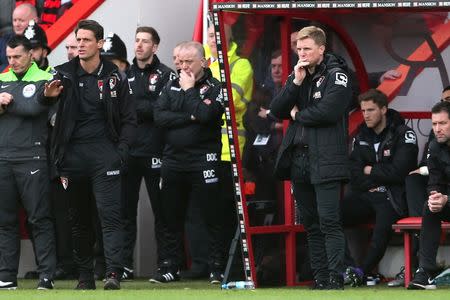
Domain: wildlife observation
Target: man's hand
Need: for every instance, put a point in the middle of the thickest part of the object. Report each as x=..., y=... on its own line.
x=390, y=75
x=416, y=171
x=300, y=72
x=5, y=98
x=53, y=89
x=187, y=80
x=436, y=201
x=367, y=170
x=294, y=111
x=263, y=112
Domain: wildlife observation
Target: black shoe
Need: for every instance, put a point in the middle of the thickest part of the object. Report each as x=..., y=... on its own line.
x=127, y=274
x=215, y=277
x=112, y=282
x=399, y=279
x=336, y=281
x=85, y=285
x=8, y=285
x=356, y=276
x=164, y=275
x=422, y=281
x=31, y=275
x=45, y=284
x=320, y=285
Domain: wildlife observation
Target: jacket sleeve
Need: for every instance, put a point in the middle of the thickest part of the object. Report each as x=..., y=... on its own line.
x=28, y=108
x=128, y=122
x=359, y=181
x=436, y=179
x=332, y=106
x=203, y=112
x=166, y=118
x=404, y=160
x=283, y=103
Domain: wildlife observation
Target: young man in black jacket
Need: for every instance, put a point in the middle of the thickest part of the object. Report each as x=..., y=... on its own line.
x=436, y=208
x=94, y=128
x=384, y=152
x=313, y=153
x=189, y=110
x=147, y=77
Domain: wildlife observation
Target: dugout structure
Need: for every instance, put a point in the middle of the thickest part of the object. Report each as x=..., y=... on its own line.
x=408, y=36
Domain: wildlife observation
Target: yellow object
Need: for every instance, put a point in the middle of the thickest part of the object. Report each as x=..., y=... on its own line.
x=241, y=75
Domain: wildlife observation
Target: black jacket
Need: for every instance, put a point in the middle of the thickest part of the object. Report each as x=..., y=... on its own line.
x=147, y=84
x=323, y=99
x=24, y=122
x=439, y=168
x=395, y=158
x=118, y=107
x=190, y=144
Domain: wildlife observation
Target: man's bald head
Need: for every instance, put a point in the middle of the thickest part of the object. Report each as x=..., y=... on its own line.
x=22, y=15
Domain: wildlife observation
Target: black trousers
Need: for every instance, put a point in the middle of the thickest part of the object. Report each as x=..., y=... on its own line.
x=63, y=230
x=359, y=209
x=197, y=235
x=149, y=169
x=178, y=189
x=430, y=234
x=26, y=181
x=95, y=169
x=319, y=210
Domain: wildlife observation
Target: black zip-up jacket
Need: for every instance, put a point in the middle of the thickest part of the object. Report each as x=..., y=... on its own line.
x=118, y=103
x=439, y=168
x=24, y=123
x=147, y=84
x=191, y=144
x=395, y=158
x=323, y=99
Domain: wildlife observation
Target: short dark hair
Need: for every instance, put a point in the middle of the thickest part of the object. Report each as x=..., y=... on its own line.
x=152, y=31
x=377, y=96
x=19, y=40
x=447, y=88
x=442, y=106
x=275, y=54
x=91, y=25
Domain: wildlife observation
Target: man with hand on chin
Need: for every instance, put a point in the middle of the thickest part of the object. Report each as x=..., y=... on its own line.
x=314, y=150
x=189, y=110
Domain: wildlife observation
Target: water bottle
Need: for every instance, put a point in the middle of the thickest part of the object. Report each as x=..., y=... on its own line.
x=239, y=285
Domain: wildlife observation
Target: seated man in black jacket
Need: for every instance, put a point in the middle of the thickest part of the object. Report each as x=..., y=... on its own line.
x=384, y=152
x=436, y=209
x=189, y=110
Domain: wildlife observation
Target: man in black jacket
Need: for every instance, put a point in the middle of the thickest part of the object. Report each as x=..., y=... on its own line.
x=147, y=77
x=24, y=117
x=313, y=153
x=94, y=128
x=384, y=152
x=189, y=110
x=437, y=208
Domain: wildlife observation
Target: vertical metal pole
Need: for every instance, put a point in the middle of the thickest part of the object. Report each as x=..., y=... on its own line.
x=238, y=182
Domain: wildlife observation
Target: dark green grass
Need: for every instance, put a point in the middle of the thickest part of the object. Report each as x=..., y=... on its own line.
x=142, y=289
